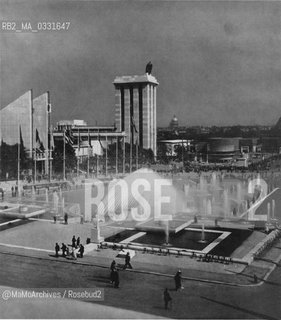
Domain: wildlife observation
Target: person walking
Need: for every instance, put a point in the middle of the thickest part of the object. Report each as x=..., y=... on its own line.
x=112, y=269
x=178, y=280
x=127, y=261
x=167, y=299
x=66, y=218
x=116, y=278
x=57, y=249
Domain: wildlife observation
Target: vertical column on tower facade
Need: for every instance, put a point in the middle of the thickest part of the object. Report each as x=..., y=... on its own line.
x=146, y=117
x=140, y=124
x=127, y=117
x=155, y=123
x=136, y=114
x=118, y=108
x=151, y=116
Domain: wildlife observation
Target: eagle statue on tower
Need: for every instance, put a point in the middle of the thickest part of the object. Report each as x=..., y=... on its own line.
x=148, y=68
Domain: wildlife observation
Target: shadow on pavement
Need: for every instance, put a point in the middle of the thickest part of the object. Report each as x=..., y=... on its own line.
x=256, y=314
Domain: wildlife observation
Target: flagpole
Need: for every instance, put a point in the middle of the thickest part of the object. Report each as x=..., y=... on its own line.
x=51, y=153
x=137, y=154
x=97, y=164
x=106, y=157
x=47, y=162
x=97, y=153
x=88, y=160
x=78, y=151
x=19, y=160
x=35, y=167
x=64, y=154
x=51, y=168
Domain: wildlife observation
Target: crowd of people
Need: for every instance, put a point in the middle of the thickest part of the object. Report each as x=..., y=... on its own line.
x=73, y=251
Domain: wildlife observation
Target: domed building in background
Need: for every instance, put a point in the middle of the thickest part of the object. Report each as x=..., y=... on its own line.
x=174, y=122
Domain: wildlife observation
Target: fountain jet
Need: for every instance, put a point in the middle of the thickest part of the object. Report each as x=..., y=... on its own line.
x=203, y=240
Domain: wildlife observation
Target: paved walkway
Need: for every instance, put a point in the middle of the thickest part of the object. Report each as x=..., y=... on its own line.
x=37, y=239
x=165, y=265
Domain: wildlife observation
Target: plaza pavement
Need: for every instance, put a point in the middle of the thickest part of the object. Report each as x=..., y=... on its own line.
x=34, y=241
x=139, y=292
x=38, y=238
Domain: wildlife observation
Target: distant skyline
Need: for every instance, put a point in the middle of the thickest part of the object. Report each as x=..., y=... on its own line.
x=217, y=63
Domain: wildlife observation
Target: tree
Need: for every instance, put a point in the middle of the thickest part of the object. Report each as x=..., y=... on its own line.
x=162, y=153
x=9, y=159
x=180, y=152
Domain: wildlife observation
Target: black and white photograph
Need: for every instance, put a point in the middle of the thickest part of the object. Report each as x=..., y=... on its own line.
x=140, y=159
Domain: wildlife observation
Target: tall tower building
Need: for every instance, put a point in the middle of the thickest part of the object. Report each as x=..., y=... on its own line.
x=135, y=109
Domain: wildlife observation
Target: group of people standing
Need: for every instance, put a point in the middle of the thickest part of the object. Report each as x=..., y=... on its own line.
x=75, y=246
x=14, y=191
x=114, y=274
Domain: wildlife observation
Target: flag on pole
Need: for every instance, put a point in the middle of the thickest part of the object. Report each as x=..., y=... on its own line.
x=90, y=151
x=38, y=144
x=89, y=140
x=51, y=139
x=68, y=136
x=39, y=147
x=100, y=142
x=78, y=140
x=49, y=108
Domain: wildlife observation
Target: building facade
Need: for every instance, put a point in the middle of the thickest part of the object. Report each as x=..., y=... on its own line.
x=135, y=109
x=26, y=121
x=88, y=140
x=16, y=123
